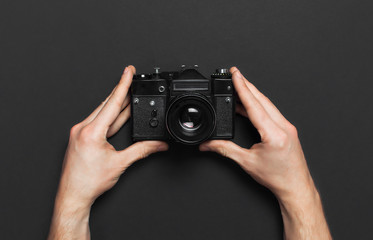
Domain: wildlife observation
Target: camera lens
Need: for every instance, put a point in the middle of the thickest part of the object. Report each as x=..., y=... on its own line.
x=190, y=119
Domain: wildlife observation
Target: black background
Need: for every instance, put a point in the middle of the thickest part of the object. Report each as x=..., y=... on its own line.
x=60, y=59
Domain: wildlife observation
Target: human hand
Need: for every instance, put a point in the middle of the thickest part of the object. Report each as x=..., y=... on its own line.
x=277, y=162
x=92, y=165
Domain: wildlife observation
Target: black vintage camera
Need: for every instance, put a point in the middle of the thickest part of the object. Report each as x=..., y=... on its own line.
x=182, y=105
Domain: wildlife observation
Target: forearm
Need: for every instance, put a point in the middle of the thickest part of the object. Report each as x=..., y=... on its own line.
x=70, y=220
x=303, y=216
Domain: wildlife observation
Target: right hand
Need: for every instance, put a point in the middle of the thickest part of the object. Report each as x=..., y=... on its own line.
x=277, y=162
x=92, y=165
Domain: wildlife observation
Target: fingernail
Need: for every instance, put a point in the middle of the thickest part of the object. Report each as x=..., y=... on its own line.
x=237, y=73
x=126, y=69
x=233, y=69
x=163, y=147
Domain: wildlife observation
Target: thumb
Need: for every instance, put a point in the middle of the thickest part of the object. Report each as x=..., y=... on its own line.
x=141, y=150
x=225, y=148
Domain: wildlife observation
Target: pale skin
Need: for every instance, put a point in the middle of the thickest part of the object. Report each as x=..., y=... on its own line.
x=93, y=166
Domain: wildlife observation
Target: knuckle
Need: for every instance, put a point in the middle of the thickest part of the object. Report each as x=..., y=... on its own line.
x=292, y=130
x=281, y=140
x=74, y=130
x=86, y=134
x=117, y=103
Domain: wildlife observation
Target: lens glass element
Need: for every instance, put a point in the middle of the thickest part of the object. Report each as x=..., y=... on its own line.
x=190, y=118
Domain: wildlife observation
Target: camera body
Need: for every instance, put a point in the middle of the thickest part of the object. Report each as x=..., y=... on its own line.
x=182, y=105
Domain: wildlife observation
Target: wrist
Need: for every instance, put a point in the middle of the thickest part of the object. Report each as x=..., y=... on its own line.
x=73, y=196
x=69, y=204
x=296, y=189
x=302, y=194
x=300, y=201
x=303, y=215
x=70, y=219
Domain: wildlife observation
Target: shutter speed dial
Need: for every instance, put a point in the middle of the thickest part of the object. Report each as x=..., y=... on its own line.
x=222, y=71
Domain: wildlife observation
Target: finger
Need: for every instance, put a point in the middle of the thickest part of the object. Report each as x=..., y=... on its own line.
x=113, y=107
x=226, y=148
x=140, y=150
x=120, y=121
x=93, y=115
x=255, y=111
x=97, y=110
x=125, y=102
x=271, y=109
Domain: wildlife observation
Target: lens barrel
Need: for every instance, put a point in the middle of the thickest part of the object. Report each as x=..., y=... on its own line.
x=191, y=119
